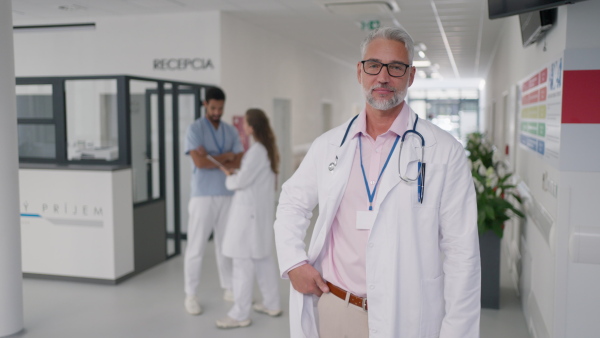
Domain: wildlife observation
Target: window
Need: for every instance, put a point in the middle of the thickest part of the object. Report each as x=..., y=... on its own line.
x=36, y=121
x=92, y=125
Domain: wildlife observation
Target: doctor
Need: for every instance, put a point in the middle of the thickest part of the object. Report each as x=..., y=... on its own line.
x=394, y=251
x=248, y=236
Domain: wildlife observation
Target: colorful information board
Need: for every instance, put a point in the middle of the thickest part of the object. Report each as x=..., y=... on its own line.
x=540, y=110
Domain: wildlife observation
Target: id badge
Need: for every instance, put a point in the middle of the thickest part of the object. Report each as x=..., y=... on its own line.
x=366, y=219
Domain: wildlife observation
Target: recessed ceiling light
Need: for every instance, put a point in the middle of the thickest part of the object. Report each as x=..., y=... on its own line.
x=422, y=54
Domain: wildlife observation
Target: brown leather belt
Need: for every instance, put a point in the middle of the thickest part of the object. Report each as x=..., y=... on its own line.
x=354, y=300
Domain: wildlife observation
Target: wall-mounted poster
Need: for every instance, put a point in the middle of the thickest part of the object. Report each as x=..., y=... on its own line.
x=540, y=110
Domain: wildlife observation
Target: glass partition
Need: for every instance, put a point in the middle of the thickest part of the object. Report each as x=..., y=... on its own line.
x=34, y=101
x=116, y=121
x=92, y=127
x=35, y=114
x=37, y=141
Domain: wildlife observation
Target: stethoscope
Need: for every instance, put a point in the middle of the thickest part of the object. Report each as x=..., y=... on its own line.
x=420, y=177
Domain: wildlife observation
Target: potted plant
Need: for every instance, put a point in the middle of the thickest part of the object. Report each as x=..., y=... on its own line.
x=494, y=207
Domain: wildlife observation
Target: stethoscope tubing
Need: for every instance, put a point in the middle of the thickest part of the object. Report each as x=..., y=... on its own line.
x=333, y=164
x=413, y=131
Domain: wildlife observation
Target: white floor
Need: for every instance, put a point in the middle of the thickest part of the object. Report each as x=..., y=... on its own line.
x=151, y=305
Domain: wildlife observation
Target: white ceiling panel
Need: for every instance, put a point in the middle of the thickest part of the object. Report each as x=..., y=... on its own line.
x=470, y=34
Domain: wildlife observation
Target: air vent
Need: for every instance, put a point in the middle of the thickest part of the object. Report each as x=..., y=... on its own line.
x=54, y=28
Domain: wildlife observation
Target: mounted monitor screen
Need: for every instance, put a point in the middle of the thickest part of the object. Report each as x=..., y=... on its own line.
x=535, y=24
x=503, y=8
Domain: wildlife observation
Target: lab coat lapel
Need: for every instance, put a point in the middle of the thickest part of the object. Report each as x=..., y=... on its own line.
x=336, y=185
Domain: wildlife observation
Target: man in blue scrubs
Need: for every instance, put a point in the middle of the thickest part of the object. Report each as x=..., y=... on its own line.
x=210, y=200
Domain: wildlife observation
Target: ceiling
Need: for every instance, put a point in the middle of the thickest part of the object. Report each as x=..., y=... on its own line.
x=456, y=35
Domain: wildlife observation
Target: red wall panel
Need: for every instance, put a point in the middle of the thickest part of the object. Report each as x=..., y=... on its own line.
x=581, y=96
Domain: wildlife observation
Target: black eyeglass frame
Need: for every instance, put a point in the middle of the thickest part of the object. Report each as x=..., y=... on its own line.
x=386, y=67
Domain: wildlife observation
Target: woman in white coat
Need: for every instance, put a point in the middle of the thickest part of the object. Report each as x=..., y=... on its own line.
x=248, y=238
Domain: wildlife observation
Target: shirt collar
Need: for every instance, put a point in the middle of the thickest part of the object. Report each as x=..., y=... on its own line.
x=398, y=127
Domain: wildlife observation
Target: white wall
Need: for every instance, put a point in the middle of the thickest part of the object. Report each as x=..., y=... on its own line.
x=123, y=45
x=259, y=66
x=557, y=291
x=252, y=65
x=513, y=63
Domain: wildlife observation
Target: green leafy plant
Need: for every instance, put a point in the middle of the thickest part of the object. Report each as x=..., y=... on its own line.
x=491, y=187
x=480, y=149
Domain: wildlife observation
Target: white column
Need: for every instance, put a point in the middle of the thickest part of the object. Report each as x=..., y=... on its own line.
x=11, y=281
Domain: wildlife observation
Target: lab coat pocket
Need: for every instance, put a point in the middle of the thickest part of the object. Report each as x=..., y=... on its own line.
x=435, y=174
x=432, y=306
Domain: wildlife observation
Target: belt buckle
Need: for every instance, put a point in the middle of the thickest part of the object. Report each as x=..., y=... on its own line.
x=364, y=303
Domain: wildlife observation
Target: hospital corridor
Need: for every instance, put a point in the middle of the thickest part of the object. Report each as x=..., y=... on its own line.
x=299, y=168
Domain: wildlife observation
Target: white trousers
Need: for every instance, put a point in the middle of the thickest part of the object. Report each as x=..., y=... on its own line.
x=207, y=213
x=267, y=277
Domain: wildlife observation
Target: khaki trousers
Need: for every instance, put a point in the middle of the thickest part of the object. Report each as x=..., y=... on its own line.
x=339, y=319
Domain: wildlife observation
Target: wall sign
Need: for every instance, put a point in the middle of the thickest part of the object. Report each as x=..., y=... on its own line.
x=183, y=64
x=540, y=110
x=63, y=213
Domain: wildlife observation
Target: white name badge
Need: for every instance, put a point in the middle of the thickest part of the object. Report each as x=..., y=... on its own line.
x=366, y=219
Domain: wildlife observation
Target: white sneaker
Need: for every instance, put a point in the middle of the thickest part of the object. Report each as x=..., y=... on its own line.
x=262, y=309
x=228, y=295
x=230, y=323
x=192, y=306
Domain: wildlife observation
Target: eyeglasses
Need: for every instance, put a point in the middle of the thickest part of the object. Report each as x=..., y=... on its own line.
x=395, y=69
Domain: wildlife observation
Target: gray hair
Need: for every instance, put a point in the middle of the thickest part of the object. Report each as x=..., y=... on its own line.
x=390, y=33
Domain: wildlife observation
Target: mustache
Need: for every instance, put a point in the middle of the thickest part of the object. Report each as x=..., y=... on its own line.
x=382, y=86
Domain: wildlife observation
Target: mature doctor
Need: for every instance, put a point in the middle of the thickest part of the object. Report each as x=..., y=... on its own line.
x=394, y=251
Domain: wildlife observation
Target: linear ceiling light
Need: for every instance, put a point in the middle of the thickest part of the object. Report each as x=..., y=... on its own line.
x=421, y=63
x=57, y=27
x=445, y=39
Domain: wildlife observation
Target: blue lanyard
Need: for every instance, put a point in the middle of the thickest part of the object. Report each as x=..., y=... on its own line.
x=372, y=195
x=212, y=131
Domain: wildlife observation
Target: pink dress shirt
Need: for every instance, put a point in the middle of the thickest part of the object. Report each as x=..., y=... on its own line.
x=344, y=262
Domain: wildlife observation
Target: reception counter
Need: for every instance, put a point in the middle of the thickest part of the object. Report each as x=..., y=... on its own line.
x=77, y=222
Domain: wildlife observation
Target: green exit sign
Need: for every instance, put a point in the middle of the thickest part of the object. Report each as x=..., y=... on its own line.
x=370, y=25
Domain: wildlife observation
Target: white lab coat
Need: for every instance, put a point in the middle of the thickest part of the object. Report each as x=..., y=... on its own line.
x=423, y=268
x=249, y=231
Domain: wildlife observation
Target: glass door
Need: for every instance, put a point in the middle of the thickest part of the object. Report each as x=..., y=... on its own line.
x=147, y=139
x=182, y=105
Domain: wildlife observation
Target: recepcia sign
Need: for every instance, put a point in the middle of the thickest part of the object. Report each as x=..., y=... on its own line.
x=183, y=64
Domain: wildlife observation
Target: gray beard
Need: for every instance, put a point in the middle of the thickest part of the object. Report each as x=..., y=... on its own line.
x=385, y=104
